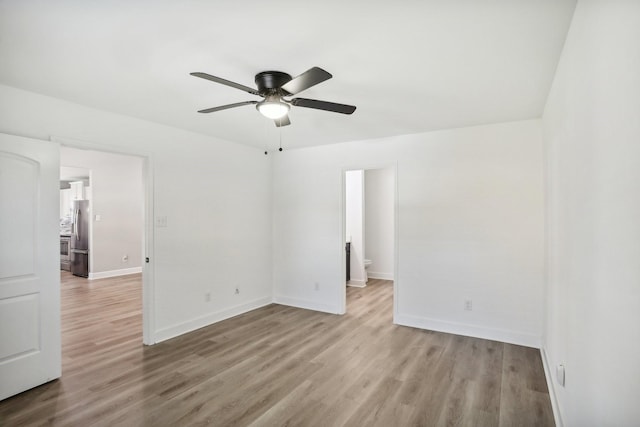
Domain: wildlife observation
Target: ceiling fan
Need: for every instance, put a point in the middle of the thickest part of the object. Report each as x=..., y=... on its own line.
x=273, y=86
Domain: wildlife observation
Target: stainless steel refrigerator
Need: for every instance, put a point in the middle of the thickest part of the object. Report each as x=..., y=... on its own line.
x=80, y=238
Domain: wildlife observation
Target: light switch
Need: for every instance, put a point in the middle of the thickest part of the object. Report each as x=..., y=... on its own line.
x=98, y=217
x=560, y=374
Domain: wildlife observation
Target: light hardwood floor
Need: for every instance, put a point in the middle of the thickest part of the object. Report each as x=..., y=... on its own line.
x=277, y=366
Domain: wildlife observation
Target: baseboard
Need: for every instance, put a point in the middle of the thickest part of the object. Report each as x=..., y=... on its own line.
x=357, y=283
x=551, y=385
x=114, y=273
x=379, y=275
x=209, y=319
x=306, y=304
x=503, y=335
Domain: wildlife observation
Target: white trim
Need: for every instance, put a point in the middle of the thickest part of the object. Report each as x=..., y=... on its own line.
x=379, y=275
x=114, y=273
x=209, y=319
x=396, y=244
x=342, y=288
x=148, y=272
x=553, y=396
x=357, y=283
x=503, y=335
x=306, y=304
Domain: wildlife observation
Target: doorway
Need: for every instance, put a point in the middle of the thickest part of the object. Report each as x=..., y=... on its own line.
x=369, y=222
x=120, y=189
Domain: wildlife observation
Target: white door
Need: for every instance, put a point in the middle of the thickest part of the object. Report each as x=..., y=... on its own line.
x=30, y=352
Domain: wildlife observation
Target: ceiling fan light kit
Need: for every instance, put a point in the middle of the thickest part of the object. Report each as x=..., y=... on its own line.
x=273, y=86
x=272, y=107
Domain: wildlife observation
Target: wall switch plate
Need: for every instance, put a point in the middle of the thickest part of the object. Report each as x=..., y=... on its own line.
x=237, y=290
x=560, y=374
x=207, y=296
x=98, y=218
x=161, y=221
x=468, y=305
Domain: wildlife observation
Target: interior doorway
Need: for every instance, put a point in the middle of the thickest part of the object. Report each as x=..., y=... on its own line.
x=118, y=194
x=369, y=224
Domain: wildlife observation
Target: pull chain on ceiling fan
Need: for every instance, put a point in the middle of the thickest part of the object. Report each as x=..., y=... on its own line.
x=273, y=86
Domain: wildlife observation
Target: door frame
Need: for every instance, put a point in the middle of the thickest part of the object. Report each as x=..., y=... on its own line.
x=342, y=290
x=148, y=282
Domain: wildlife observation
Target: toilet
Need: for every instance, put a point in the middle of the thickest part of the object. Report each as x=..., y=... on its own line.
x=367, y=263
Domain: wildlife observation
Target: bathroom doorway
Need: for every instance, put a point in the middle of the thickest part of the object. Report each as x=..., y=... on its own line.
x=369, y=224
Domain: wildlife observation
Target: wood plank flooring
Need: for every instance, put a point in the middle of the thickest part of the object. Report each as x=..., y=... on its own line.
x=277, y=366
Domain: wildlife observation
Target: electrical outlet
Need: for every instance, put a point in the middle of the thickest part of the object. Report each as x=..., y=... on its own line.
x=207, y=296
x=237, y=290
x=125, y=258
x=316, y=286
x=468, y=305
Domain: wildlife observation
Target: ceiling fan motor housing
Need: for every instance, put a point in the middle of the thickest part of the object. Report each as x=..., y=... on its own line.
x=271, y=81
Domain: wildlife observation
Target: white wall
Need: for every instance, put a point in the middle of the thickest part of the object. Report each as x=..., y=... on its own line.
x=592, y=132
x=118, y=197
x=470, y=224
x=354, y=224
x=216, y=197
x=379, y=223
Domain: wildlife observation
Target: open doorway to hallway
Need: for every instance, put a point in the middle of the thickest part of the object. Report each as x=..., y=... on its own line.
x=369, y=224
x=101, y=303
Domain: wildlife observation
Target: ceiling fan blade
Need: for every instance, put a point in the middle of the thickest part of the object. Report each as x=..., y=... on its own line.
x=283, y=121
x=226, y=82
x=304, y=81
x=226, y=107
x=323, y=105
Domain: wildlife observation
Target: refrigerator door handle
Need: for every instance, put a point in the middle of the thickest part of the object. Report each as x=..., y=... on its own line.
x=75, y=222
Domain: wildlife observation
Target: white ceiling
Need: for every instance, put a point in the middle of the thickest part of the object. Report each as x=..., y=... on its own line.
x=409, y=66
